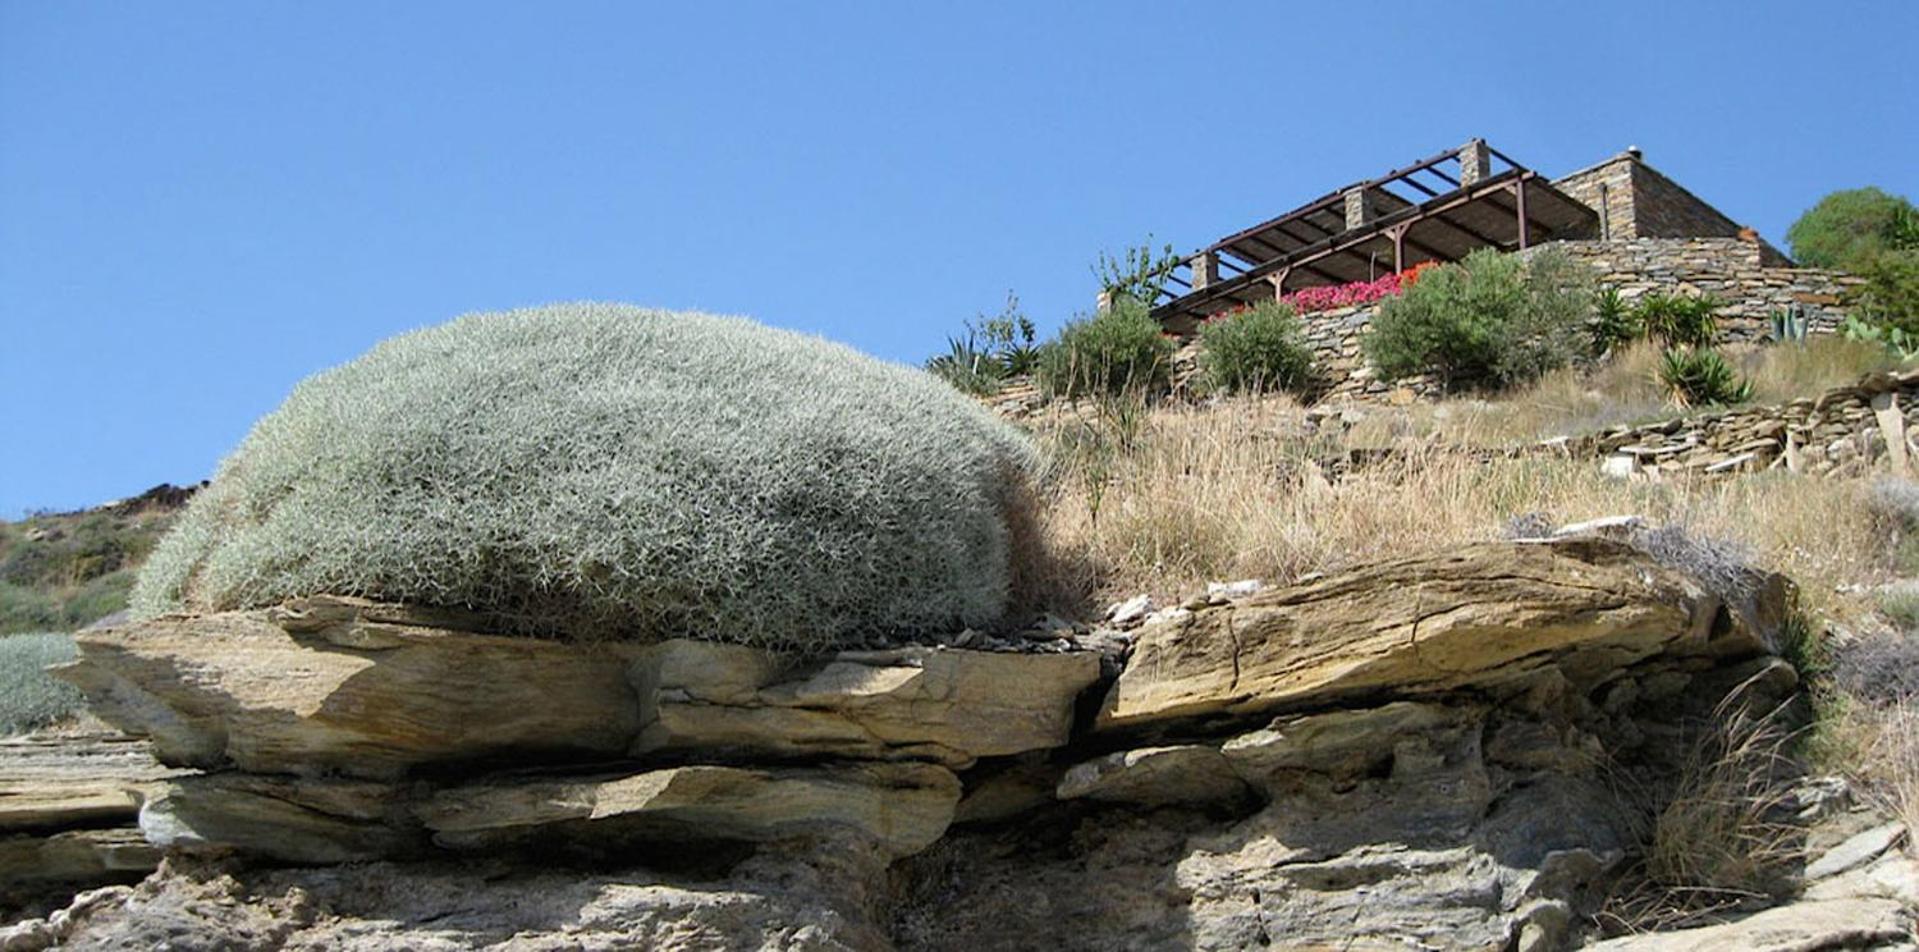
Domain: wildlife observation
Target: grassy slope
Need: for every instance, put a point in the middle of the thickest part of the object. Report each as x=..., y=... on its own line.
x=60, y=571
x=1165, y=499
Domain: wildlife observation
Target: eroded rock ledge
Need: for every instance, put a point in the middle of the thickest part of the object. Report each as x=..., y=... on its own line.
x=1423, y=750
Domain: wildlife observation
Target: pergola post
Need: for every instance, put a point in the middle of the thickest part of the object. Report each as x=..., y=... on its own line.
x=1475, y=163
x=1205, y=267
x=1278, y=280
x=1398, y=234
x=1359, y=208
x=1519, y=200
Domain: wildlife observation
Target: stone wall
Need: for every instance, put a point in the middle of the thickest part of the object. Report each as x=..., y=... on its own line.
x=1730, y=269
x=1736, y=271
x=1635, y=200
x=1841, y=431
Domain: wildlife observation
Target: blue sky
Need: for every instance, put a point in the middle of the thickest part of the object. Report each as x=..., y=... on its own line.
x=201, y=204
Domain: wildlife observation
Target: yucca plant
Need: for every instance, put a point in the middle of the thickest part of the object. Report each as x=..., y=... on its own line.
x=969, y=367
x=1613, y=322
x=1677, y=320
x=1699, y=376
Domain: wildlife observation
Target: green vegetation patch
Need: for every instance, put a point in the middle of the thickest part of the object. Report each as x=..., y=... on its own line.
x=60, y=572
x=1254, y=350
x=1119, y=350
x=30, y=698
x=603, y=471
x=1492, y=319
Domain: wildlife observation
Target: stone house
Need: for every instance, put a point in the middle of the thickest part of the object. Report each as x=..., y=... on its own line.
x=1638, y=229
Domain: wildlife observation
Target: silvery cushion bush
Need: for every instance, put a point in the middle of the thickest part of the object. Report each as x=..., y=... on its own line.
x=602, y=471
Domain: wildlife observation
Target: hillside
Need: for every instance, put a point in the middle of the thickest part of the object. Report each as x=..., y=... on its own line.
x=61, y=571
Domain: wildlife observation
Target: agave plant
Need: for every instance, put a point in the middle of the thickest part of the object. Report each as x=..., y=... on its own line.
x=1696, y=377
x=1676, y=320
x=1614, y=322
x=966, y=365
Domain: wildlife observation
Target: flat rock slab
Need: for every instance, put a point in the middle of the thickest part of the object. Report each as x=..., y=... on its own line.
x=942, y=705
x=1801, y=926
x=345, y=687
x=1190, y=773
x=904, y=807
x=1475, y=616
x=1857, y=851
x=76, y=856
x=55, y=781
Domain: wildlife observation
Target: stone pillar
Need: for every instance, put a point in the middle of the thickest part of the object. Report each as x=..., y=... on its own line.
x=1205, y=267
x=1475, y=163
x=1359, y=208
x=1104, y=302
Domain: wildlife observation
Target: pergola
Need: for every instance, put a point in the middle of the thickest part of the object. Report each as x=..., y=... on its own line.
x=1438, y=209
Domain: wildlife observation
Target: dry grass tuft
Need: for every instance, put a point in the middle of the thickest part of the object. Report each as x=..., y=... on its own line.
x=1890, y=763
x=1624, y=389
x=1167, y=499
x=1726, y=834
x=1721, y=835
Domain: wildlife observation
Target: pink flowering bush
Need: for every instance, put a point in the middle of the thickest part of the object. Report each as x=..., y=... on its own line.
x=1345, y=295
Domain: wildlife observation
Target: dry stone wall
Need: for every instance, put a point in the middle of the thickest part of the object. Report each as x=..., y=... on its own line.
x=1840, y=432
x=1733, y=270
x=1730, y=269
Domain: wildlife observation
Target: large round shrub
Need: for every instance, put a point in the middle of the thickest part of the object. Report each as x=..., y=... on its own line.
x=1120, y=350
x=1254, y=350
x=1491, y=319
x=601, y=471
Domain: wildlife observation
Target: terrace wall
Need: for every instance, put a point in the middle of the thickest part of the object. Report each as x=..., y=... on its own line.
x=1730, y=269
x=1740, y=273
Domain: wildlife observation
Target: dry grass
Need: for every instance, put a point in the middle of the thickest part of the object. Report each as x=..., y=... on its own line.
x=1877, y=746
x=1725, y=833
x=1623, y=390
x=1721, y=835
x=1825, y=361
x=1168, y=499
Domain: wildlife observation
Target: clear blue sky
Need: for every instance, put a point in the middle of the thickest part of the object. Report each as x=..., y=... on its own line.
x=201, y=204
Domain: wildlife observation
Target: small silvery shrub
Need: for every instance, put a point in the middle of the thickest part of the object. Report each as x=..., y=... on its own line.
x=1490, y=319
x=1120, y=350
x=31, y=698
x=1254, y=350
x=600, y=471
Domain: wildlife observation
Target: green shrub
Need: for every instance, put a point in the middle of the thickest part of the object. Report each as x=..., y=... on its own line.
x=993, y=349
x=1255, y=350
x=1677, y=320
x=602, y=471
x=1613, y=322
x=1490, y=319
x=1849, y=229
x=27, y=609
x=1140, y=275
x=1696, y=377
x=31, y=698
x=1890, y=297
x=1119, y=350
x=97, y=599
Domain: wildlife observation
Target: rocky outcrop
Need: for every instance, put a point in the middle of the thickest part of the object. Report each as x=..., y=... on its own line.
x=1424, y=751
x=67, y=809
x=331, y=685
x=1481, y=617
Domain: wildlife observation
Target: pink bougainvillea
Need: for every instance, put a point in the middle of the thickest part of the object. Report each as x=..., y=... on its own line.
x=1344, y=295
x=1308, y=300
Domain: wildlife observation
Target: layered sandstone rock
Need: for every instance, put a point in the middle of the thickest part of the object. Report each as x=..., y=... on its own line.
x=1477, y=618
x=1423, y=751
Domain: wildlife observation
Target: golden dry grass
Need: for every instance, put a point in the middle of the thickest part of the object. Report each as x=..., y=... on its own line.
x=1622, y=390
x=1164, y=500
